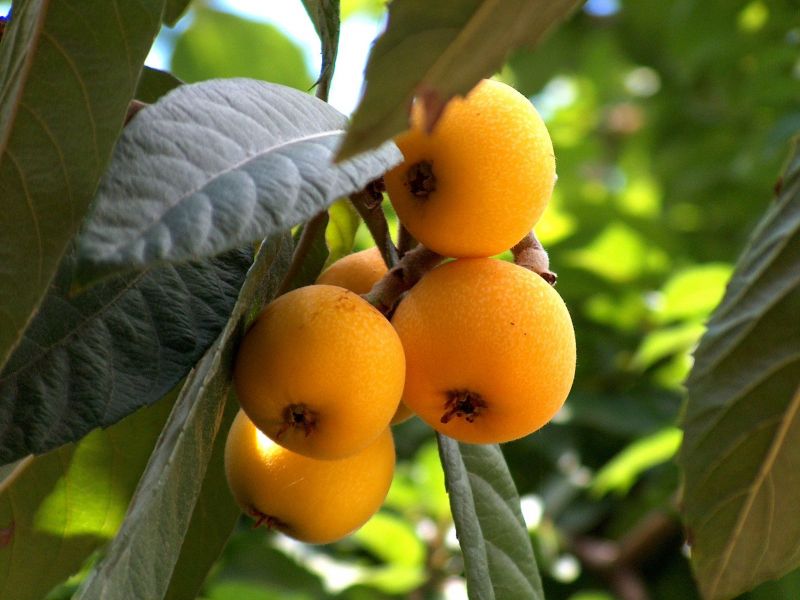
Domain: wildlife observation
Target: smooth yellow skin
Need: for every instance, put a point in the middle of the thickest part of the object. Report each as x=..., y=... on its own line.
x=325, y=348
x=494, y=165
x=358, y=272
x=495, y=329
x=314, y=501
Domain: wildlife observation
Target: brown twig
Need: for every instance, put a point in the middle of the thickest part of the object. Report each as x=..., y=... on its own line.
x=304, y=245
x=528, y=253
x=618, y=561
x=402, y=277
x=405, y=241
x=133, y=109
x=368, y=204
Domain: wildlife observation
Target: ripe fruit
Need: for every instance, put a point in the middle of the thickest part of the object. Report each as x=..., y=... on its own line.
x=315, y=501
x=490, y=350
x=358, y=272
x=320, y=372
x=480, y=181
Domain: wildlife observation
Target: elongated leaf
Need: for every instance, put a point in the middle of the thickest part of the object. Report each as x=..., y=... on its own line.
x=90, y=360
x=63, y=505
x=342, y=227
x=316, y=252
x=174, y=10
x=741, y=452
x=214, y=517
x=139, y=562
x=67, y=73
x=325, y=16
x=422, y=53
x=498, y=557
x=153, y=84
x=214, y=165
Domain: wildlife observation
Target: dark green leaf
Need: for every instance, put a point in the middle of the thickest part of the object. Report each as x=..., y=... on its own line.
x=61, y=506
x=422, y=53
x=325, y=16
x=498, y=557
x=213, y=520
x=67, y=74
x=310, y=239
x=153, y=84
x=215, y=165
x=90, y=360
x=741, y=452
x=139, y=562
x=174, y=10
x=219, y=44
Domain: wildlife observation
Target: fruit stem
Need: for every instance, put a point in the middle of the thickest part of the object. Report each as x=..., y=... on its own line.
x=463, y=404
x=401, y=278
x=311, y=230
x=368, y=204
x=528, y=253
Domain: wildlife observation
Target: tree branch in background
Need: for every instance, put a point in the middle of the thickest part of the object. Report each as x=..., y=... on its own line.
x=368, y=204
x=528, y=253
x=401, y=278
x=618, y=561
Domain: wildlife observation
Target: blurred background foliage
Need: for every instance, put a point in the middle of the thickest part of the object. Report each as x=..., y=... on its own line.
x=670, y=122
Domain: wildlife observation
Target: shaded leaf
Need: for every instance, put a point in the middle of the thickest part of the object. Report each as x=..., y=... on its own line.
x=422, y=54
x=63, y=505
x=741, y=452
x=67, y=74
x=174, y=10
x=153, y=84
x=341, y=231
x=219, y=44
x=315, y=252
x=90, y=360
x=214, y=165
x=324, y=15
x=139, y=562
x=498, y=557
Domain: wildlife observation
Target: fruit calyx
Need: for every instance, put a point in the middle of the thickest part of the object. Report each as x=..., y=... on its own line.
x=267, y=521
x=297, y=416
x=463, y=404
x=420, y=180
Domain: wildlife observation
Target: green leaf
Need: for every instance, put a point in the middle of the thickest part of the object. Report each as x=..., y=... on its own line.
x=215, y=165
x=498, y=557
x=694, y=292
x=325, y=16
x=622, y=471
x=174, y=10
x=665, y=342
x=67, y=75
x=153, y=84
x=139, y=562
x=422, y=53
x=310, y=240
x=90, y=360
x=741, y=452
x=61, y=506
x=261, y=51
x=213, y=520
x=341, y=232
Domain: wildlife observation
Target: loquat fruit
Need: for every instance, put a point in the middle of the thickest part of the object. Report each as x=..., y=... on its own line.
x=479, y=182
x=490, y=350
x=321, y=372
x=315, y=501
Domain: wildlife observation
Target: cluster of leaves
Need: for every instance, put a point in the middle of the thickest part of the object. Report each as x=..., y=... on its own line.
x=134, y=293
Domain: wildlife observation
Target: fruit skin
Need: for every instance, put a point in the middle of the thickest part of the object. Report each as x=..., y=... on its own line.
x=491, y=328
x=494, y=167
x=315, y=501
x=326, y=350
x=358, y=272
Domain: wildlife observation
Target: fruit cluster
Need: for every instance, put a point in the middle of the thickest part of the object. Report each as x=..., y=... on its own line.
x=481, y=349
